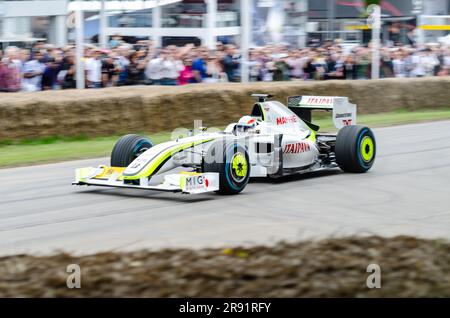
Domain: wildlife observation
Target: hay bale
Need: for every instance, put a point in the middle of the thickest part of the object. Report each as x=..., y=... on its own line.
x=335, y=267
x=149, y=108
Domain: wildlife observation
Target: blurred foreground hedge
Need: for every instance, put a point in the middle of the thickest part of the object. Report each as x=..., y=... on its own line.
x=149, y=108
x=410, y=267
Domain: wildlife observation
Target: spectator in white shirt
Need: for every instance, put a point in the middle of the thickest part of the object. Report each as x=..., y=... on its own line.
x=399, y=65
x=429, y=61
x=171, y=66
x=93, y=68
x=154, y=70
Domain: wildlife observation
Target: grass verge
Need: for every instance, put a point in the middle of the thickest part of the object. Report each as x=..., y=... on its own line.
x=53, y=149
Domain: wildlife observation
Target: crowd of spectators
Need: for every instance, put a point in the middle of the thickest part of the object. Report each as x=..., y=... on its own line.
x=45, y=67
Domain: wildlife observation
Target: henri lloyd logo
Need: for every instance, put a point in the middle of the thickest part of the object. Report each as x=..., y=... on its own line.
x=343, y=115
x=196, y=183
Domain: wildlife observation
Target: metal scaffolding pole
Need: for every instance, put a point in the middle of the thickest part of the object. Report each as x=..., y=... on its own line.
x=103, y=38
x=156, y=17
x=246, y=29
x=211, y=10
x=375, y=22
x=79, y=20
x=331, y=18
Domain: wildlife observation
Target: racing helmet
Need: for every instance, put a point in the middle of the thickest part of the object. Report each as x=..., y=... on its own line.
x=245, y=123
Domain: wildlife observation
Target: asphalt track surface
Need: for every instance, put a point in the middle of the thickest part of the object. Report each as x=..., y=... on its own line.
x=406, y=192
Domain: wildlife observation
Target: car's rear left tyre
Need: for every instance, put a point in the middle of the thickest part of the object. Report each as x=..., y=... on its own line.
x=231, y=161
x=355, y=148
x=128, y=148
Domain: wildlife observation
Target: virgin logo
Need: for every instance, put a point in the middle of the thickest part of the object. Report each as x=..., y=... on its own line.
x=347, y=122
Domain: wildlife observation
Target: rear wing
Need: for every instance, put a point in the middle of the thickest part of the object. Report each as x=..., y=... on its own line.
x=344, y=112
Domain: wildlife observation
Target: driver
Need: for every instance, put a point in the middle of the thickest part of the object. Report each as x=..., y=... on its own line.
x=245, y=123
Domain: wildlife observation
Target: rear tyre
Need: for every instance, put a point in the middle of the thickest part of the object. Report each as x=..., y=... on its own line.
x=355, y=148
x=232, y=162
x=128, y=148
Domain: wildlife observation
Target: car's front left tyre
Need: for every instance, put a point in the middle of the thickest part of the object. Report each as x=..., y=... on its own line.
x=231, y=161
x=128, y=148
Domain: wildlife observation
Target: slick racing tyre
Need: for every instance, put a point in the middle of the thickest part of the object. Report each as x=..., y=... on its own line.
x=231, y=161
x=355, y=148
x=128, y=148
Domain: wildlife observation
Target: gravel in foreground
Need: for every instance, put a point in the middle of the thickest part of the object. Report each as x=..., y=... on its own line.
x=410, y=267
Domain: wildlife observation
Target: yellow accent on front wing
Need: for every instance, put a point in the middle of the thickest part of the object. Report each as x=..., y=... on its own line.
x=100, y=173
x=109, y=171
x=162, y=157
x=190, y=173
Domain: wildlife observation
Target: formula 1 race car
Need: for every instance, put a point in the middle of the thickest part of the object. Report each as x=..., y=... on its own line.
x=273, y=141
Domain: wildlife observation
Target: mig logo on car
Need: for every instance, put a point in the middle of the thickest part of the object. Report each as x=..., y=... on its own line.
x=196, y=182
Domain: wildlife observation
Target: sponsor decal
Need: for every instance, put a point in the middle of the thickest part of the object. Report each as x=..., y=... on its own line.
x=343, y=115
x=297, y=147
x=316, y=100
x=135, y=165
x=286, y=120
x=347, y=122
x=196, y=183
x=108, y=172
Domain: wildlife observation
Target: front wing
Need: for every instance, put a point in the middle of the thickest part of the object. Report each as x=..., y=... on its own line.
x=184, y=182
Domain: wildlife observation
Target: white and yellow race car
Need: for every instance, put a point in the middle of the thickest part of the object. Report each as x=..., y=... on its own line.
x=273, y=141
